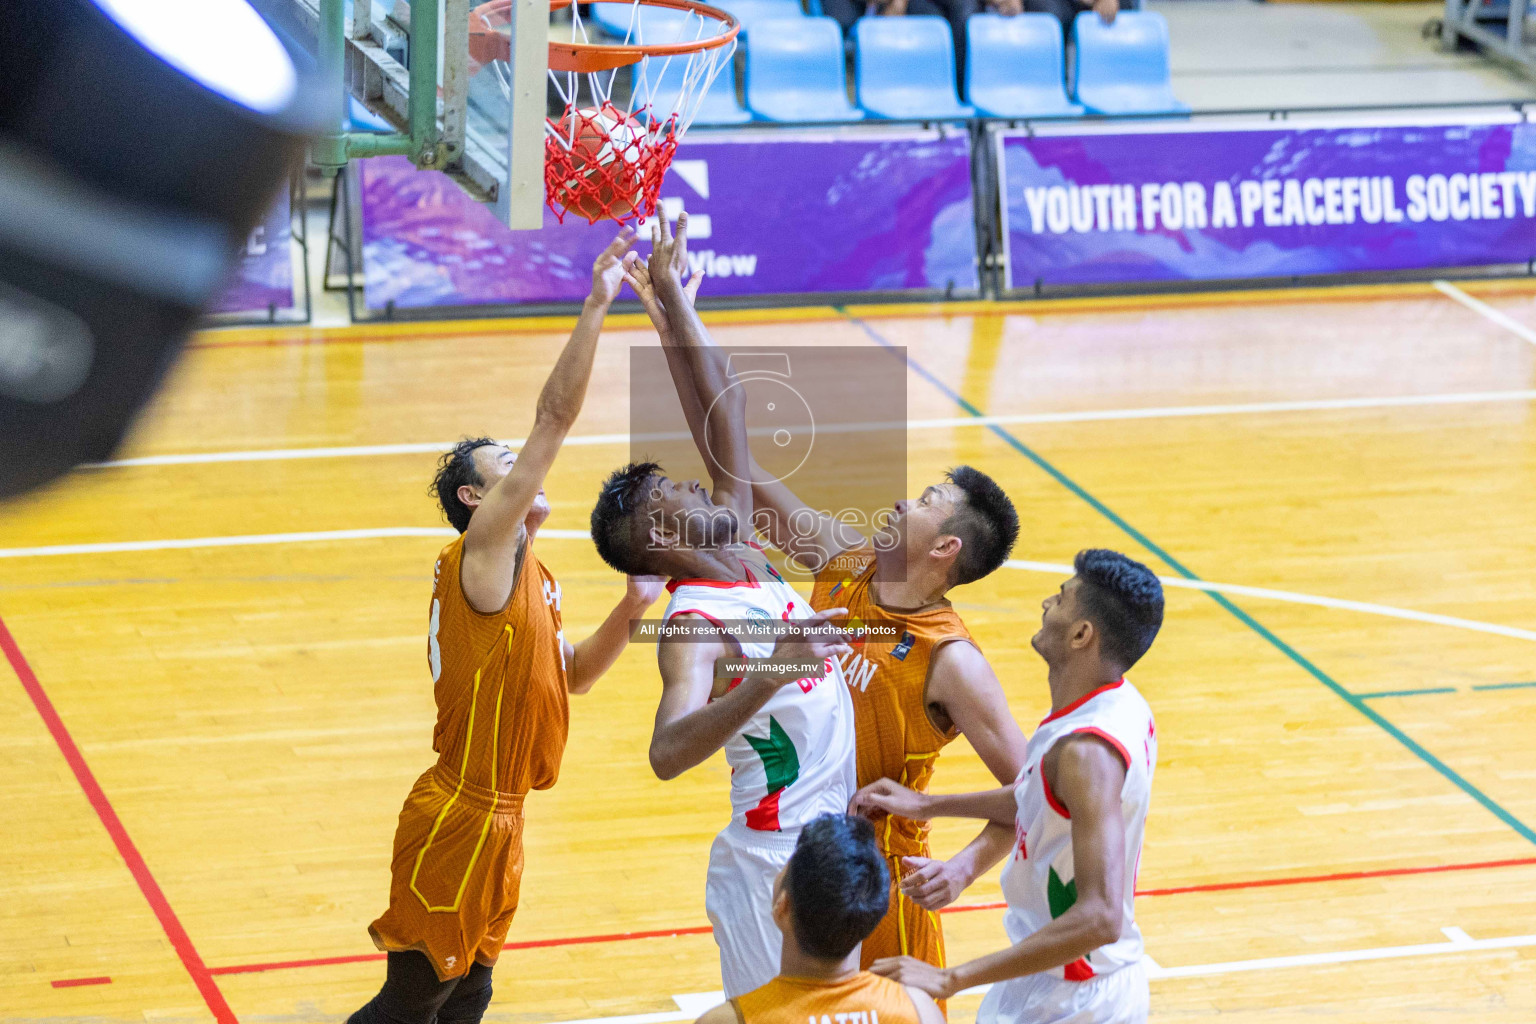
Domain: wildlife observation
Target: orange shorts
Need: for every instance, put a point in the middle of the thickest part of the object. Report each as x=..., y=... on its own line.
x=907, y=929
x=455, y=874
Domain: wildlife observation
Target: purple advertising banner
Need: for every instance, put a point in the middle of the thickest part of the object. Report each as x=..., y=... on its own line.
x=768, y=213
x=263, y=278
x=1161, y=204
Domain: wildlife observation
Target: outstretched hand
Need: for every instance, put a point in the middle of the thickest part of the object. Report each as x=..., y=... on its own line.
x=814, y=637
x=936, y=981
x=889, y=797
x=608, y=269
x=639, y=277
x=669, y=254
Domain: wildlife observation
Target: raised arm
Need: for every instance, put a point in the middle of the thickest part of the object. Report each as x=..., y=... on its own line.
x=496, y=528
x=1088, y=778
x=724, y=442
x=810, y=537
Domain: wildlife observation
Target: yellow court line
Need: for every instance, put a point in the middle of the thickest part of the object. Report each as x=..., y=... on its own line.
x=219, y=337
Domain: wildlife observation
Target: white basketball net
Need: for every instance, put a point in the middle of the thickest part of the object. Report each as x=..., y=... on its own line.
x=664, y=92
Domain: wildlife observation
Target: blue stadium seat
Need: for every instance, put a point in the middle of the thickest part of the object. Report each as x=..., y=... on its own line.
x=365, y=120
x=1123, y=68
x=750, y=12
x=905, y=67
x=654, y=25
x=795, y=71
x=718, y=106
x=1016, y=67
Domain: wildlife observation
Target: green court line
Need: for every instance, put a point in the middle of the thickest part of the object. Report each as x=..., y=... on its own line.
x=1504, y=686
x=1353, y=700
x=1406, y=693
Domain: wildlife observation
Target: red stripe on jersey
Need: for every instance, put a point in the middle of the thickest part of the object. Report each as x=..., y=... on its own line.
x=1107, y=738
x=1084, y=699
x=1050, y=798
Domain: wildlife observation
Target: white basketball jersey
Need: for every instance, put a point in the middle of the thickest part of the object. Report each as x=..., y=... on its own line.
x=1039, y=881
x=794, y=760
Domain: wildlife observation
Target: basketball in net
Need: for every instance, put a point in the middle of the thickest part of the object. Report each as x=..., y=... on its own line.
x=601, y=174
x=624, y=103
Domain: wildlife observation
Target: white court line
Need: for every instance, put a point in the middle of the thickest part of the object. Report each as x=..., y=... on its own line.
x=317, y=536
x=1482, y=308
x=330, y=536
x=1085, y=416
x=692, y=1005
x=1290, y=597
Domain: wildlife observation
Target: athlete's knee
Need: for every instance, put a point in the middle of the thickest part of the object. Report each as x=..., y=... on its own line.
x=470, y=998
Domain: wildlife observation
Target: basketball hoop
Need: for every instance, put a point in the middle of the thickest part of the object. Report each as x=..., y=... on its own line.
x=606, y=153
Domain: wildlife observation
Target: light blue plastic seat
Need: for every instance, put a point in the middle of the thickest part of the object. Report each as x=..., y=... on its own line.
x=719, y=104
x=795, y=71
x=905, y=67
x=750, y=12
x=1016, y=66
x=653, y=24
x=1123, y=68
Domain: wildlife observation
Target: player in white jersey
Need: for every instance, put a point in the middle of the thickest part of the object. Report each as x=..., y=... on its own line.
x=1077, y=813
x=788, y=737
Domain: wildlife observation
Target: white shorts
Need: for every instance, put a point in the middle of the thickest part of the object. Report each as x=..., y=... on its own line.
x=739, y=900
x=1118, y=998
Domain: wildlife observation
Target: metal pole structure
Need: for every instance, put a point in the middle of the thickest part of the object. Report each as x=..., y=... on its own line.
x=425, y=151
x=329, y=151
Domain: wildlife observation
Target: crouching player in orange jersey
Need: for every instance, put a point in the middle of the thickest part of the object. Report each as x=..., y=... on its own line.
x=827, y=900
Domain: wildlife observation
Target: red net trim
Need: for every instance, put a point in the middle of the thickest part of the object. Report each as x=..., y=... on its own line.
x=603, y=164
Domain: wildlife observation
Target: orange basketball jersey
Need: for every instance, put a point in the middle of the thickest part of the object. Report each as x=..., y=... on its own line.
x=502, y=719
x=896, y=739
x=863, y=999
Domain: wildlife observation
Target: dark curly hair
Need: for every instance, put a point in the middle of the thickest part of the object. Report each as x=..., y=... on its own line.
x=455, y=469
x=617, y=526
x=1124, y=601
x=838, y=885
x=986, y=523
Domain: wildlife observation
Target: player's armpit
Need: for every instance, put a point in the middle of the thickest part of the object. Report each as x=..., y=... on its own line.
x=961, y=680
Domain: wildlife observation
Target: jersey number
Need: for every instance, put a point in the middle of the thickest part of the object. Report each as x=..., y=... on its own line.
x=434, y=652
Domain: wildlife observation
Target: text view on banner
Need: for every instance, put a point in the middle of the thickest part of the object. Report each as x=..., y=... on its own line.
x=1154, y=204
x=768, y=213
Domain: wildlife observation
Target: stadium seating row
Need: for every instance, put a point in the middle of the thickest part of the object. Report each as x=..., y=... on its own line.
x=905, y=67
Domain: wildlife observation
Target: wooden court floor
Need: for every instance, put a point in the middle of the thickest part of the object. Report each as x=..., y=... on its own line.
x=215, y=694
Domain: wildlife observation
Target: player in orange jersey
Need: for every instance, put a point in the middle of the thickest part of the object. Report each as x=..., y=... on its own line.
x=501, y=668
x=917, y=693
x=830, y=895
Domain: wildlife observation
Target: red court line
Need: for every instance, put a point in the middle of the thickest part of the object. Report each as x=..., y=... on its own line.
x=78, y=982
x=582, y=940
x=574, y=940
x=177, y=935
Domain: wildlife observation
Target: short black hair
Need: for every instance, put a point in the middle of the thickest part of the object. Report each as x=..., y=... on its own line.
x=837, y=884
x=617, y=520
x=1124, y=601
x=986, y=523
x=455, y=469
